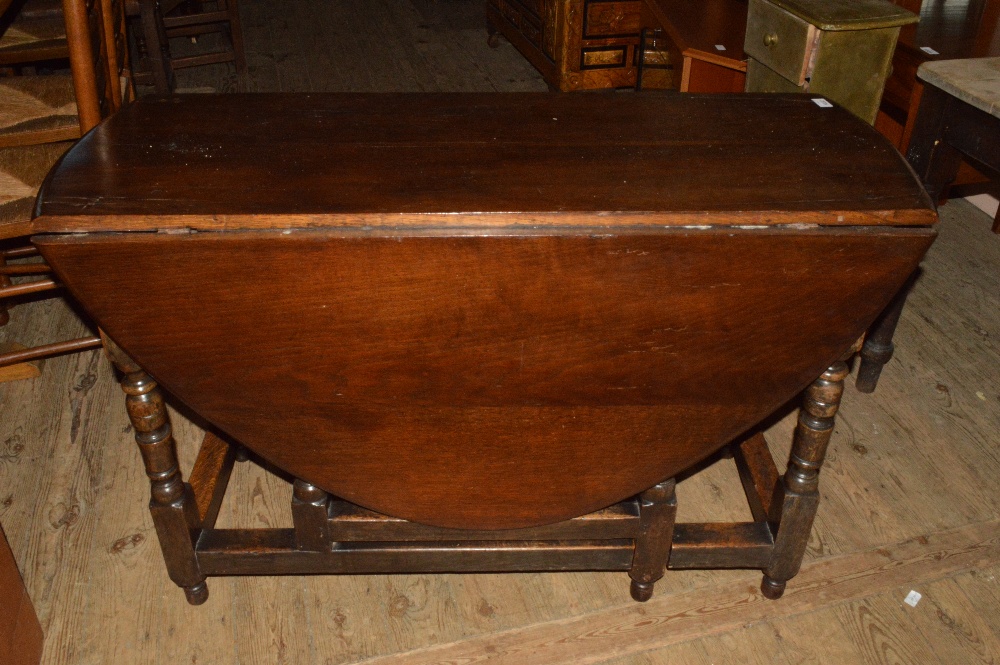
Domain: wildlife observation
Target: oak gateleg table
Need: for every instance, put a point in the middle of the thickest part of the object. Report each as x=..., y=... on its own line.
x=483, y=332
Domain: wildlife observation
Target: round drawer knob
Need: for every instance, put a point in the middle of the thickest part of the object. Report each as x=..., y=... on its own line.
x=770, y=40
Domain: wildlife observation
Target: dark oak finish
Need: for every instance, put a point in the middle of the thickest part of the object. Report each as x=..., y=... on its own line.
x=172, y=502
x=491, y=319
x=758, y=474
x=210, y=477
x=796, y=512
x=878, y=347
x=224, y=162
x=722, y=545
x=657, y=514
x=457, y=367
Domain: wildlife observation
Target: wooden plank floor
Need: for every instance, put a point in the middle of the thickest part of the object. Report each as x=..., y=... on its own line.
x=911, y=491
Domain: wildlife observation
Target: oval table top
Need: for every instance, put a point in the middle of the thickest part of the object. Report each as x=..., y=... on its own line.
x=484, y=311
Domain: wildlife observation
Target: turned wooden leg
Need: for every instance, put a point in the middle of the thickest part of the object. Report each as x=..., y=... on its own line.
x=878, y=347
x=657, y=514
x=310, y=515
x=801, y=481
x=172, y=503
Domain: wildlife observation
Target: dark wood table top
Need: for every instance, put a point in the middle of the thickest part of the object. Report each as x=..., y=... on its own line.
x=484, y=311
x=269, y=160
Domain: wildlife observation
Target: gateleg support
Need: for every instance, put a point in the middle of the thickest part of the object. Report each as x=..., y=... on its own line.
x=172, y=503
x=801, y=481
x=878, y=347
x=657, y=517
x=311, y=517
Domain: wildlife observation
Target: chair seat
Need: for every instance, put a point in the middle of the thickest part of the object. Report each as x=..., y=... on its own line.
x=33, y=40
x=22, y=170
x=37, y=109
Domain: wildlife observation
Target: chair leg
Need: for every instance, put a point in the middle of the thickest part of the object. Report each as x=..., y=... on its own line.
x=801, y=481
x=157, y=46
x=236, y=38
x=657, y=515
x=172, y=503
x=878, y=347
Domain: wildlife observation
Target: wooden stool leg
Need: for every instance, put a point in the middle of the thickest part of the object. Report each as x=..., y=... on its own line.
x=801, y=481
x=172, y=504
x=878, y=347
x=657, y=514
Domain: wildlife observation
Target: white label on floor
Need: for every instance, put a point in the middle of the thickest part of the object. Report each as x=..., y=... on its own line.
x=912, y=598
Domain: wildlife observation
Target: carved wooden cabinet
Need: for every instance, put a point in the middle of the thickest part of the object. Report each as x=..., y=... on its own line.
x=575, y=44
x=842, y=51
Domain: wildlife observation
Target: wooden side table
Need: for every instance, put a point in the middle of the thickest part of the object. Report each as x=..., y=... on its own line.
x=959, y=115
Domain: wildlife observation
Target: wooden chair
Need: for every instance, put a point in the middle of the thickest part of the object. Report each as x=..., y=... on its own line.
x=32, y=32
x=156, y=22
x=38, y=117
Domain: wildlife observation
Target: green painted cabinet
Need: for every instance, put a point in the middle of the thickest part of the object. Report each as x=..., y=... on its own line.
x=840, y=49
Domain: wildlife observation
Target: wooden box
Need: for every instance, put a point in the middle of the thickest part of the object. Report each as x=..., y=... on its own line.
x=841, y=51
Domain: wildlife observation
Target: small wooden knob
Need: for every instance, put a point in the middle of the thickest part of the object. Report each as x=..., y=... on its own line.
x=770, y=40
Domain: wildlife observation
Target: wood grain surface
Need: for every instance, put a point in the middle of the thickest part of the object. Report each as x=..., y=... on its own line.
x=264, y=161
x=485, y=382
x=917, y=457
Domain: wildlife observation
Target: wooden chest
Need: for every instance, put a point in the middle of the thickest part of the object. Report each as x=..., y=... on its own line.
x=575, y=44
